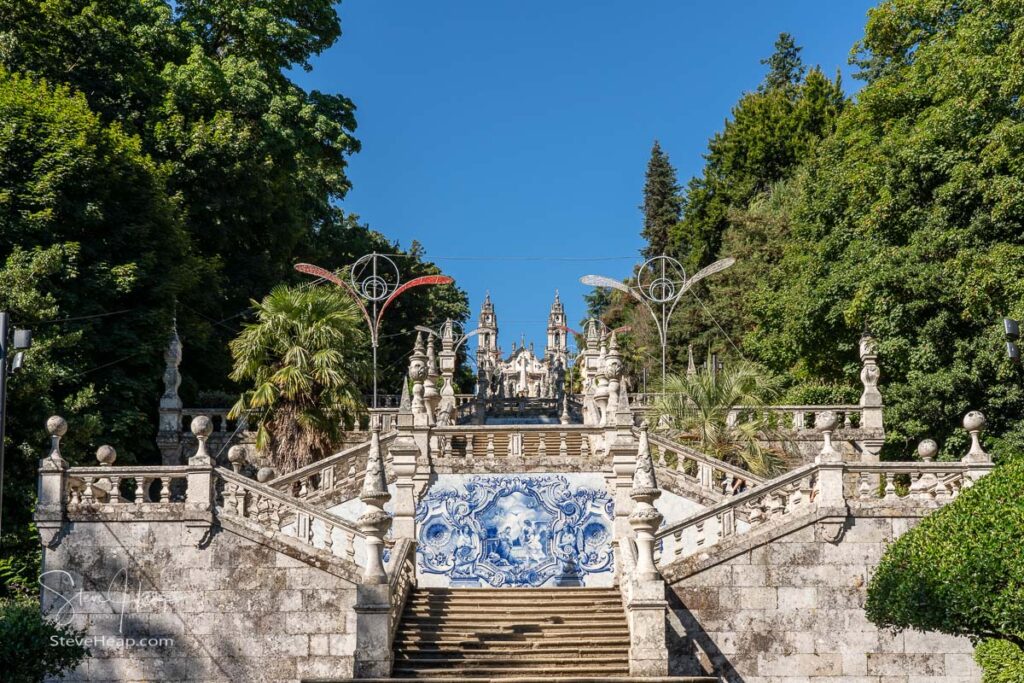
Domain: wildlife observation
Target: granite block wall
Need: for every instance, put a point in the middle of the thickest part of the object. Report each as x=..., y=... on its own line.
x=157, y=607
x=790, y=610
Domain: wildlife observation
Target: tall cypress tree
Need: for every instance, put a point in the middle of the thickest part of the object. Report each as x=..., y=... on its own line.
x=662, y=205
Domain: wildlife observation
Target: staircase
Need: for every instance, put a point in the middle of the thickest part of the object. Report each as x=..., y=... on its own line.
x=513, y=633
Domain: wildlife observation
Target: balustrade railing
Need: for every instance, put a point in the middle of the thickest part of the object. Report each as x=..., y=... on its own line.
x=334, y=473
x=490, y=441
x=278, y=514
x=135, y=485
x=401, y=571
x=698, y=469
x=794, y=493
x=911, y=481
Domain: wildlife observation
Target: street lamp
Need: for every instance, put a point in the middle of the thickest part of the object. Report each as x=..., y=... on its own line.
x=374, y=279
x=22, y=341
x=1012, y=329
x=660, y=283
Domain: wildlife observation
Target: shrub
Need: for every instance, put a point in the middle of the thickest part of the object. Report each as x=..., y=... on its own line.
x=33, y=647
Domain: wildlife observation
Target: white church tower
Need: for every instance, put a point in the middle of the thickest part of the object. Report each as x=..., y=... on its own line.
x=557, y=346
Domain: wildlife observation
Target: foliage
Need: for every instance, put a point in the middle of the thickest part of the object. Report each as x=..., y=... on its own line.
x=785, y=68
x=661, y=205
x=34, y=648
x=1001, y=661
x=910, y=221
x=305, y=358
x=93, y=256
x=960, y=571
x=699, y=404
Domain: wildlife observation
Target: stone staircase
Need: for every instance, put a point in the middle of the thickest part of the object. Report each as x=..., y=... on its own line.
x=513, y=633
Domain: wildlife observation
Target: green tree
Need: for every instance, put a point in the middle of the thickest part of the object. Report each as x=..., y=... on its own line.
x=960, y=571
x=699, y=405
x=910, y=221
x=93, y=257
x=661, y=205
x=305, y=361
x=785, y=67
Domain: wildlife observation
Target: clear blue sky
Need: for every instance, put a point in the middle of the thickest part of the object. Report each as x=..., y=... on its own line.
x=522, y=129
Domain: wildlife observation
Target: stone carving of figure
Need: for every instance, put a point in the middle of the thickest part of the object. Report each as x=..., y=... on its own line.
x=559, y=380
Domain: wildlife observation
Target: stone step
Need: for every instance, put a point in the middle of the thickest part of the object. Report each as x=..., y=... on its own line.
x=501, y=650
x=489, y=618
x=517, y=662
x=504, y=672
x=553, y=601
x=570, y=631
x=524, y=592
x=443, y=677
x=514, y=641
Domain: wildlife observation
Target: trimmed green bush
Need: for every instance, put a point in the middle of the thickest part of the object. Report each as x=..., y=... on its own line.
x=961, y=571
x=1002, y=661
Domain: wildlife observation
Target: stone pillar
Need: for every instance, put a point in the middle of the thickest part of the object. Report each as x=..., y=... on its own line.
x=373, y=604
x=646, y=606
x=870, y=401
x=830, y=463
x=619, y=441
x=52, y=488
x=974, y=423
x=431, y=396
x=168, y=438
x=417, y=374
x=199, y=498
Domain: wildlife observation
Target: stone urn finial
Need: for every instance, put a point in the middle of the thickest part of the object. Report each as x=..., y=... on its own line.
x=645, y=518
x=927, y=449
x=57, y=427
x=236, y=456
x=264, y=474
x=202, y=427
x=374, y=522
x=106, y=455
x=974, y=423
x=825, y=422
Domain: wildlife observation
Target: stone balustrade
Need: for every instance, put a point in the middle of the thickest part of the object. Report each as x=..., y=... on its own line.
x=690, y=469
x=278, y=514
x=922, y=484
x=90, y=487
x=515, y=441
x=401, y=571
x=333, y=478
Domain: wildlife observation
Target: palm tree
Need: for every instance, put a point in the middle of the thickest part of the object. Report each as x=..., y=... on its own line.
x=305, y=358
x=699, y=404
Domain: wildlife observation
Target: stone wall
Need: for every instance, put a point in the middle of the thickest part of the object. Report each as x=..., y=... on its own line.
x=787, y=606
x=237, y=606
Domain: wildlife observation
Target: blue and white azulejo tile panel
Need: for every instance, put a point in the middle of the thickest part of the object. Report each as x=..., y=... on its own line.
x=516, y=530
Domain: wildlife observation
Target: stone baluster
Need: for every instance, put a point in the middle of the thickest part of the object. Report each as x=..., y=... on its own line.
x=648, y=654
x=373, y=601
x=200, y=492
x=52, y=486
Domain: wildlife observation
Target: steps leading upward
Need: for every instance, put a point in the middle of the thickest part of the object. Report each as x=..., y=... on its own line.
x=513, y=633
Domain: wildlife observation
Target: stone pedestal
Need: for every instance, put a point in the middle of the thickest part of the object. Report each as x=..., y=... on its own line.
x=646, y=609
x=373, y=656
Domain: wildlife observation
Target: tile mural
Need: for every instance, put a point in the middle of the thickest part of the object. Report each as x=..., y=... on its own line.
x=515, y=531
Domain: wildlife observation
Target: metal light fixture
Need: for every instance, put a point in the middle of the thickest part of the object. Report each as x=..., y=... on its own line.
x=1012, y=330
x=22, y=340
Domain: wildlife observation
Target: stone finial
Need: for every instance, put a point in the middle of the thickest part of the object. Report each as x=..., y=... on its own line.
x=172, y=360
x=405, y=400
x=645, y=518
x=106, y=455
x=57, y=427
x=869, y=372
x=691, y=365
x=927, y=449
x=265, y=474
x=418, y=373
x=202, y=427
x=974, y=423
x=374, y=522
x=825, y=422
x=236, y=456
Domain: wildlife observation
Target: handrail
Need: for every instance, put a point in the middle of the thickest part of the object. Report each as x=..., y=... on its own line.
x=278, y=513
x=663, y=442
x=320, y=465
x=798, y=491
x=401, y=571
